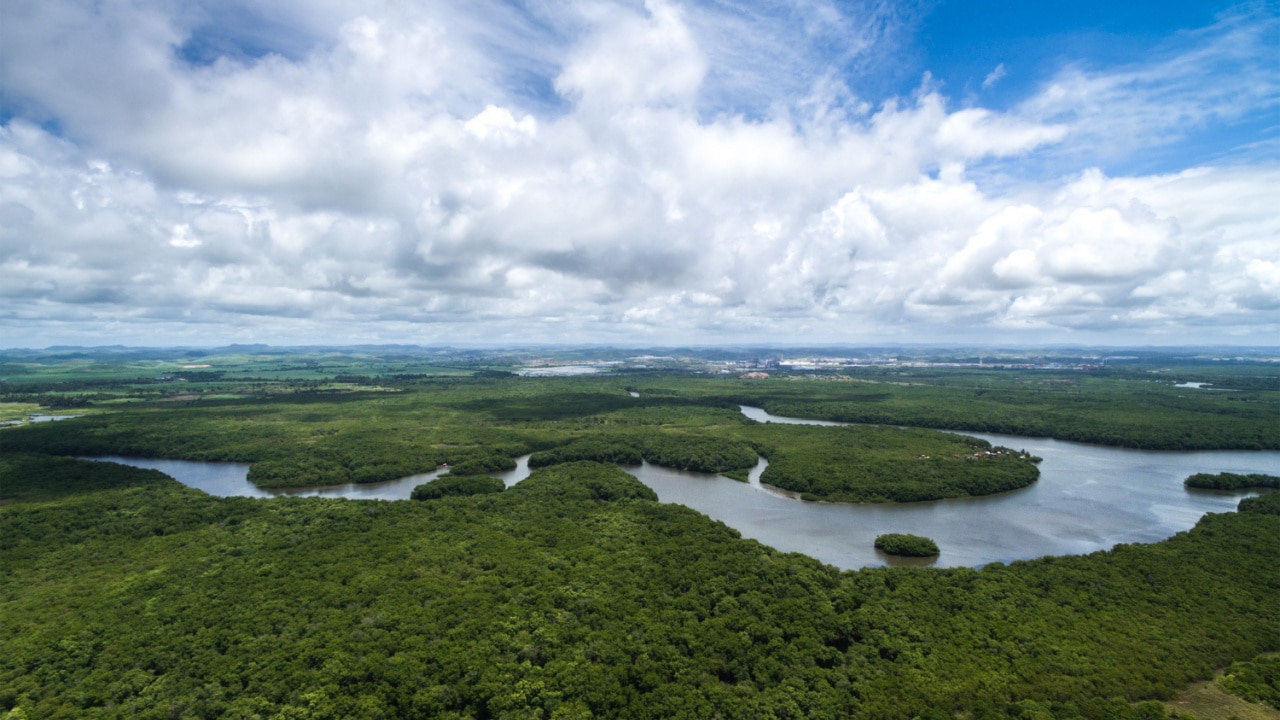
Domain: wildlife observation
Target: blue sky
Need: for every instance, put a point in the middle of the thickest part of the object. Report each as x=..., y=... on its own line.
x=963, y=43
x=639, y=172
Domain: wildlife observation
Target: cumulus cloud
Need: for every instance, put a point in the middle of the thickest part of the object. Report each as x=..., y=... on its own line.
x=387, y=173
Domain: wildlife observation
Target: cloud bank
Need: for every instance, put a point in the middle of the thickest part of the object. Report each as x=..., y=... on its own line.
x=484, y=172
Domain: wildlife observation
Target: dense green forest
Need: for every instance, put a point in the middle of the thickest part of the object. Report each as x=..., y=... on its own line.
x=1141, y=403
x=479, y=425
x=333, y=418
x=1136, y=413
x=574, y=594
x=876, y=463
x=1268, y=504
x=457, y=486
x=906, y=545
x=1232, y=481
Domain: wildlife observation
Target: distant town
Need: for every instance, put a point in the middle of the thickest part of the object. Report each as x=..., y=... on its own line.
x=765, y=362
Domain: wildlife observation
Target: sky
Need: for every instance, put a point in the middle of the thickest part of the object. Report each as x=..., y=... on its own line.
x=478, y=172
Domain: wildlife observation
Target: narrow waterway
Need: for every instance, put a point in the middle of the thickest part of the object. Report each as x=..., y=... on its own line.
x=225, y=479
x=1088, y=498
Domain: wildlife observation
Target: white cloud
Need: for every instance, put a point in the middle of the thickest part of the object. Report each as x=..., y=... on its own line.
x=974, y=133
x=648, y=59
x=996, y=75
x=388, y=182
x=499, y=125
x=1219, y=74
x=182, y=237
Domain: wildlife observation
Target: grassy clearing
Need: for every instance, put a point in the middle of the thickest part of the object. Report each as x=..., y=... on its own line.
x=16, y=410
x=1207, y=701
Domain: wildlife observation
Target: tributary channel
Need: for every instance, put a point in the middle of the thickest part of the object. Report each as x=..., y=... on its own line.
x=1088, y=497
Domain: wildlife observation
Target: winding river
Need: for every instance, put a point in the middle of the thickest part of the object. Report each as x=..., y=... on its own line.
x=1088, y=498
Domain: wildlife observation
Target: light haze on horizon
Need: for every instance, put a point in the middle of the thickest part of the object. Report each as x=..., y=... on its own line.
x=492, y=172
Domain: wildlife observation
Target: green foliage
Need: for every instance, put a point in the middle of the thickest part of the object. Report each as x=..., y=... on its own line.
x=1232, y=481
x=1136, y=412
x=906, y=545
x=28, y=478
x=307, y=435
x=295, y=441
x=449, y=486
x=1135, y=404
x=1257, y=680
x=583, y=480
x=886, y=464
x=699, y=453
x=477, y=465
x=600, y=449
x=1268, y=504
x=298, y=470
x=574, y=593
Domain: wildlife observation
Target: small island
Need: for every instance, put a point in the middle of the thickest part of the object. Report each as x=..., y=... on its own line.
x=907, y=545
x=1232, y=481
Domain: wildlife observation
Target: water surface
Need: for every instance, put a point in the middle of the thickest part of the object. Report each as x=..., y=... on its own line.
x=1088, y=498
x=225, y=479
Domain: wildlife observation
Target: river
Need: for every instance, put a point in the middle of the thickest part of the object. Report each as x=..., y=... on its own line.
x=1088, y=497
x=226, y=479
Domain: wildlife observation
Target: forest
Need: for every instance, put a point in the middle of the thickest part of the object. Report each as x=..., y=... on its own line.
x=575, y=593
x=1232, y=481
x=1135, y=413
x=478, y=425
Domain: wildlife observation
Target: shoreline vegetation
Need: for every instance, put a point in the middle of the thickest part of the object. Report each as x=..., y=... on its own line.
x=575, y=594
x=461, y=486
x=308, y=428
x=479, y=425
x=905, y=545
x=1232, y=481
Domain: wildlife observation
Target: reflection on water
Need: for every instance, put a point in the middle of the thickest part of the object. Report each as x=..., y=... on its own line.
x=1088, y=498
x=759, y=415
x=232, y=480
x=511, y=477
